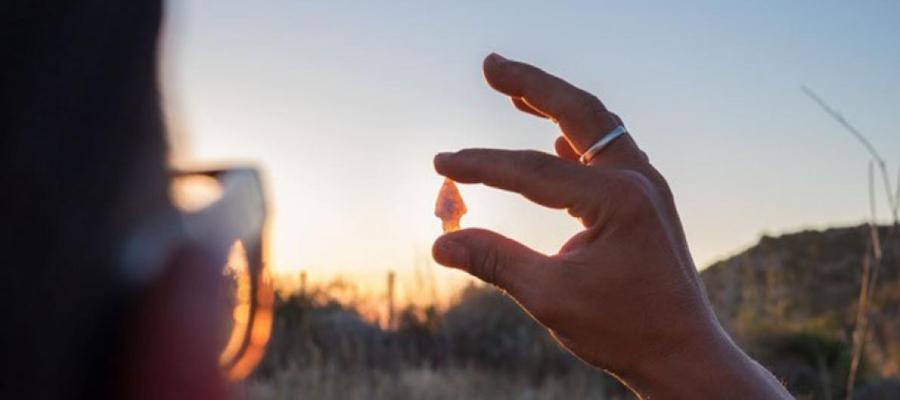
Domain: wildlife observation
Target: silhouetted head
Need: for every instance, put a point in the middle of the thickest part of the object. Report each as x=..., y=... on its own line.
x=83, y=167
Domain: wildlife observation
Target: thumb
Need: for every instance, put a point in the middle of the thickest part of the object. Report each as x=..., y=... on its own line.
x=495, y=259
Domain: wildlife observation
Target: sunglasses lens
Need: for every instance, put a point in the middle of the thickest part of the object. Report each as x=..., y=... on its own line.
x=194, y=192
x=246, y=289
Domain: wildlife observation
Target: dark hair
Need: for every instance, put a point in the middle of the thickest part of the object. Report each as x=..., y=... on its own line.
x=82, y=159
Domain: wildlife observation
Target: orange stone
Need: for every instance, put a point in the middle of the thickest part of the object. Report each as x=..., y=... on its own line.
x=450, y=206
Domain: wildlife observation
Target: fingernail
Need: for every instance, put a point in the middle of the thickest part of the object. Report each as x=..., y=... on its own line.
x=442, y=157
x=495, y=58
x=450, y=252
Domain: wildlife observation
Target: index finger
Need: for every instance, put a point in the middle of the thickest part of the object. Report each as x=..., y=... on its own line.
x=540, y=177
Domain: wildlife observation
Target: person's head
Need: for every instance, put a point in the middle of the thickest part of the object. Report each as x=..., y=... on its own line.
x=83, y=158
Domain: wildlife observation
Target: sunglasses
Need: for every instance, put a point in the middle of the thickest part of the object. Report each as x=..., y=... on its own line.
x=223, y=211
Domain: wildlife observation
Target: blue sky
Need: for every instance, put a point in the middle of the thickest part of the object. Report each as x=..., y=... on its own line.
x=345, y=103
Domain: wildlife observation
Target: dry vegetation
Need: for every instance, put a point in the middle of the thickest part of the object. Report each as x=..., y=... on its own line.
x=327, y=383
x=790, y=301
x=481, y=347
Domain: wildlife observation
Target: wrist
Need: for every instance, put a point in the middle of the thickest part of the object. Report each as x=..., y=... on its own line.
x=711, y=367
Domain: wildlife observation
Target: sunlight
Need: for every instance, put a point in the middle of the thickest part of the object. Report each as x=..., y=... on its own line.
x=237, y=272
x=260, y=320
x=192, y=193
x=260, y=331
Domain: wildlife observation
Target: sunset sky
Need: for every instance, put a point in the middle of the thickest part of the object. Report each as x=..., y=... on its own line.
x=344, y=104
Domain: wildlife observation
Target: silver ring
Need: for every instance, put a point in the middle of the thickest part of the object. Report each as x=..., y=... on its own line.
x=605, y=140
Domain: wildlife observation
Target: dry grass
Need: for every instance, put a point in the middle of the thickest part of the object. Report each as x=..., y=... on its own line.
x=324, y=383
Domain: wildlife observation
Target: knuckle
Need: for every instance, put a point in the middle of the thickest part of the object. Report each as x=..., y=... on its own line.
x=628, y=186
x=537, y=163
x=589, y=104
x=594, y=198
x=666, y=193
x=634, y=197
x=615, y=117
x=622, y=196
x=662, y=187
x=583, y=105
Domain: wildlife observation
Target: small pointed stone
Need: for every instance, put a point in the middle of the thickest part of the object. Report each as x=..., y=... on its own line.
x=450, y=206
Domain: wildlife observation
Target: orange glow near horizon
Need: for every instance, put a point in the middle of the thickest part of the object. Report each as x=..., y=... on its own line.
x=261, y=330
x=237, y=269
x=367, y=294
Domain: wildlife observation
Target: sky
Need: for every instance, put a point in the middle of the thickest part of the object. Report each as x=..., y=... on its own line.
x=343, y=105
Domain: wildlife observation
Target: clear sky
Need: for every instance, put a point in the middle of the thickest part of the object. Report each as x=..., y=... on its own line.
x=343, y=104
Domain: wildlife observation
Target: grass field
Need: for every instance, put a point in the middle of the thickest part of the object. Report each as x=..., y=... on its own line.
x=423, y=384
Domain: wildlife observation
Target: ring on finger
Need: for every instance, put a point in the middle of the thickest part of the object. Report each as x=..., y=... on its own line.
x=604, y=141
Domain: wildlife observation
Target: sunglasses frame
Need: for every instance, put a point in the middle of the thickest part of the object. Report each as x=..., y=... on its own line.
x=238, y=214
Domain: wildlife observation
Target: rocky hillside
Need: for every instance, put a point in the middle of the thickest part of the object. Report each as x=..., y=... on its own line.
x=792, y=300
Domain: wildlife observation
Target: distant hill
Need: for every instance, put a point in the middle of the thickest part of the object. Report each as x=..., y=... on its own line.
x=792, y=301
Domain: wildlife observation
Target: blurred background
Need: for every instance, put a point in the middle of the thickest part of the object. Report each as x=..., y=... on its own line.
x=344, y=104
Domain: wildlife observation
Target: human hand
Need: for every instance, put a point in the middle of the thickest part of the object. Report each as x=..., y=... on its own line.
x=623, y=294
